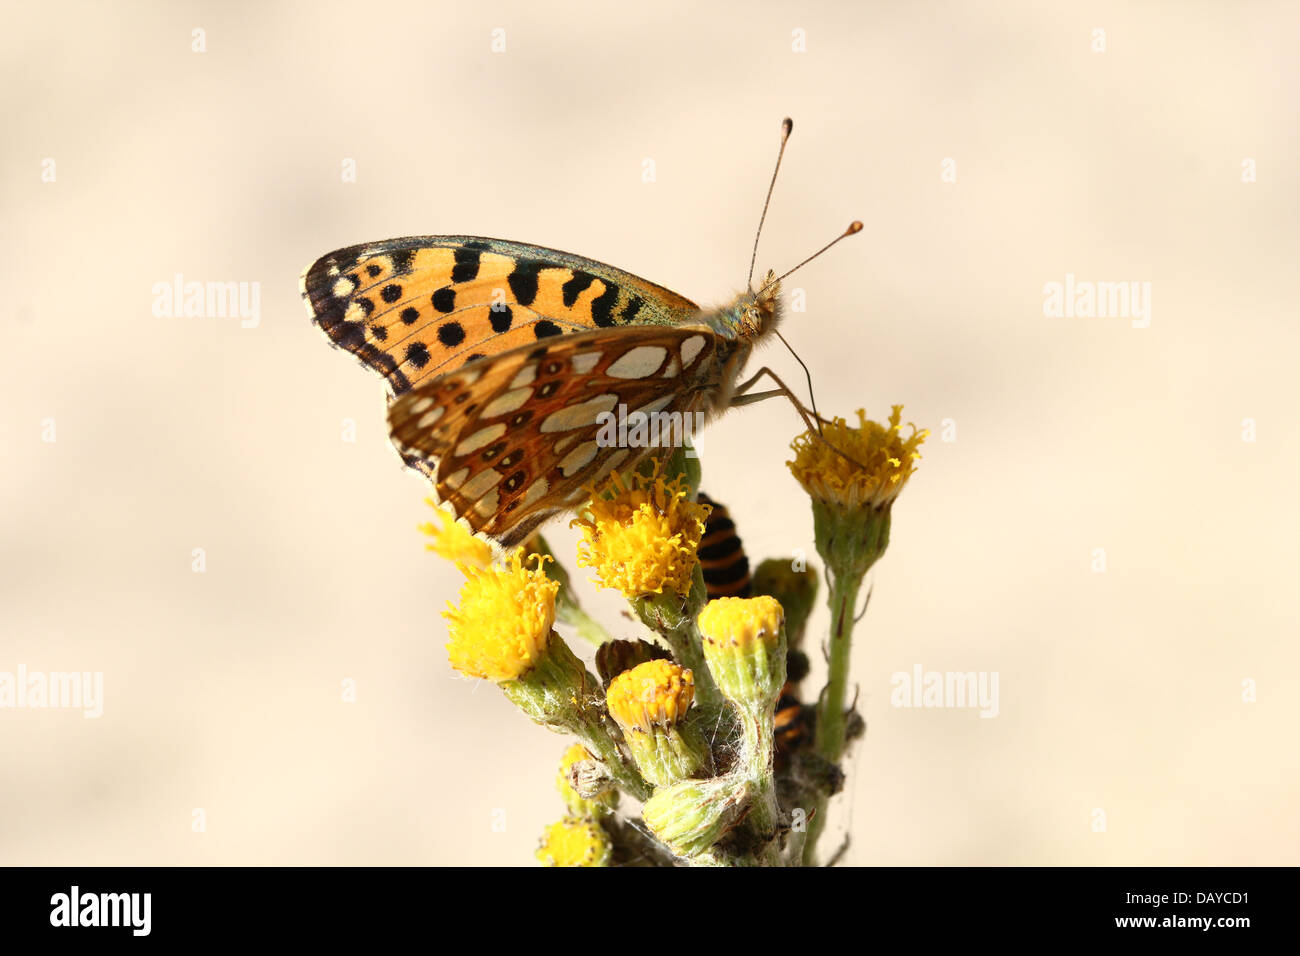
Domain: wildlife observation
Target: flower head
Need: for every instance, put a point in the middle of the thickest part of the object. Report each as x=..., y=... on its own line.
x=744, y=645
x=649, y=703
x=574, y=842
x=503, y=624
x=691, y=815
x=641, y=534
x=882, y=461
x=654, y=694
x=742, y=622
x=453, y=541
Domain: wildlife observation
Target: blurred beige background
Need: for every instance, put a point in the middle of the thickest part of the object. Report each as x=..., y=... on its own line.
x=1120, y=691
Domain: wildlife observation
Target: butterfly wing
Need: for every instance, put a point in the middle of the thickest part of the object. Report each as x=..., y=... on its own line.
x=516, y=437
x=422, y=306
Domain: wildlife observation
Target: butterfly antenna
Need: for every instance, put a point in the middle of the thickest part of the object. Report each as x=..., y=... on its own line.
x=787, y=125
x=854, y=228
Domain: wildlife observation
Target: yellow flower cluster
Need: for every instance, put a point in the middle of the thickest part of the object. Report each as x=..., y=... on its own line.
x=654, y=694
x=574, y=842
x=453, y=541
x=502, y=625
x=641, y=534
x=744, y=645
x=853, y=467
x=742, y=622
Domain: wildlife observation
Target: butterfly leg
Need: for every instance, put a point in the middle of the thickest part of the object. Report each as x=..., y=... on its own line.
x=754, y=397
x=810, y=419
x=750, y=382
x=738, y=397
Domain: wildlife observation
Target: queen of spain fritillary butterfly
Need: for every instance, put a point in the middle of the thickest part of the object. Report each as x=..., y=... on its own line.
x=501, y=356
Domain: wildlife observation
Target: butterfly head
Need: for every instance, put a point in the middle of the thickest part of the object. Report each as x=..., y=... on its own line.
x=756, y=313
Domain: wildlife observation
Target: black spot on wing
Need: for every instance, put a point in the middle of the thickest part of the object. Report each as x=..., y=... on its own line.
x=602, y=307
x=451, y=334
x=402, y=260
x=417, y=353
x=444, y=300
x=579, y=284
x=328, y=310
x=500, y=318
x=545, y=329
x=467, y=263
x=630, y=310
x=523, y=280
x=350, y=335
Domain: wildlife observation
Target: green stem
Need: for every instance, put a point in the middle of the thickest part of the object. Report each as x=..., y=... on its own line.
x=757, y=750
x=557, y=694
x=830, y=712
x=592, y=732
x=584, y=625
x=830, y=715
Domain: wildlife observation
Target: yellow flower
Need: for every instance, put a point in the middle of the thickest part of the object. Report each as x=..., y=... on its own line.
x=503, y=624
x=742, y=622
x=642, y=537
x=453, y=541
x=883, y=460
x=649, y=703
x=574, y=842
x=654, y=694
x=745, y=647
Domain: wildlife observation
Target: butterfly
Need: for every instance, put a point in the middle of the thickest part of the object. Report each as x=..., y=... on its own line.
x=503, y=359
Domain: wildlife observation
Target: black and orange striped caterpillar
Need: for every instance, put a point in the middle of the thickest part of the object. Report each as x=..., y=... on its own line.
x=727, y=574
